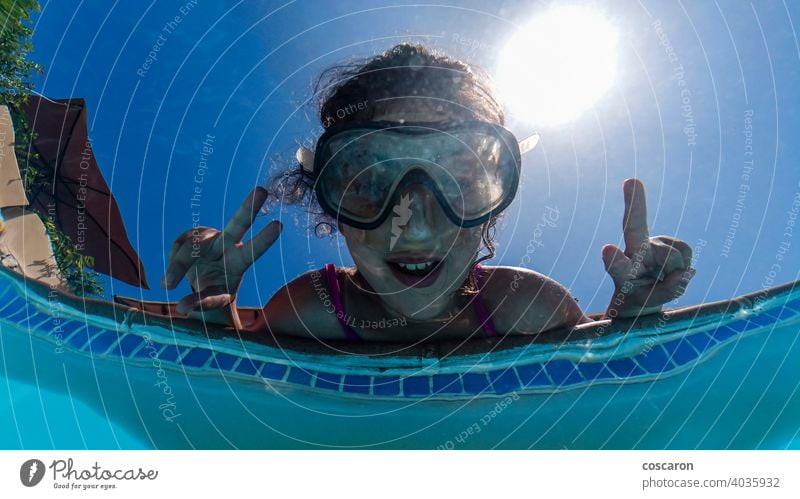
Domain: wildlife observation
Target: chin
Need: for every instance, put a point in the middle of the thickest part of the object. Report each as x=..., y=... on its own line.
x=417, y=309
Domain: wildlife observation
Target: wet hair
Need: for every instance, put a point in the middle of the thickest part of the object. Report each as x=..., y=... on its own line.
x=355, y=91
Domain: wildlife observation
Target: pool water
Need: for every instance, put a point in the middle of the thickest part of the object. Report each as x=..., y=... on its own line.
x=36, y=418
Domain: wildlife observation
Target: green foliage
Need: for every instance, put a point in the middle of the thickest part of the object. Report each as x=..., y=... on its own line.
x=74, y=267
x=15, y=87
x=15, y=43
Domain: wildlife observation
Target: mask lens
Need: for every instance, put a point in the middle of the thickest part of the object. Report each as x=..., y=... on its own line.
x=358, y=174
x=474, y=174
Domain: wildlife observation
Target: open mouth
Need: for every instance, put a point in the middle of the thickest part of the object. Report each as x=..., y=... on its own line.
x=419, y=274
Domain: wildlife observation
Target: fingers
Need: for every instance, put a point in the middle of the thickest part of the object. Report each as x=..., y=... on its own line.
x=634, y=221
x=258, y=244
x=183, y=239
x=180, y=255
x=179, y=261
x=683, y=247
x=617, y=264
x=666, y=258
x=674, y=285
x=178, y=244
x=175, y=271
x=207, y=299
x=241, y=221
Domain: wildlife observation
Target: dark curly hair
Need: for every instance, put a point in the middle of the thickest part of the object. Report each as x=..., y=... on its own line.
x=353, y=92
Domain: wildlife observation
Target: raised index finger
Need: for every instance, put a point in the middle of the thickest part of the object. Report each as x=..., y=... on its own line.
x=237, y=226
x=634, y=222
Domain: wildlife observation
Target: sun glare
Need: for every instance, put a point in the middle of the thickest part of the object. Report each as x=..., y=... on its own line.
x=556, y=67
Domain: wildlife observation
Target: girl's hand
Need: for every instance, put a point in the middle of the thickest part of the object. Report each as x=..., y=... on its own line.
x=652, y=270
x=214, y=261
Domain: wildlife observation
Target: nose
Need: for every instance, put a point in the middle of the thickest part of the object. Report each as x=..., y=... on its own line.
x=418, y=209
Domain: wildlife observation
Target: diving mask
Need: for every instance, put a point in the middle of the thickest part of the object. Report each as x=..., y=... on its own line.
x=361, y=170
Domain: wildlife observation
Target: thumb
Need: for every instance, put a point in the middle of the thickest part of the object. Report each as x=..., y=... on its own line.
x=615, y=261
x=209, y=298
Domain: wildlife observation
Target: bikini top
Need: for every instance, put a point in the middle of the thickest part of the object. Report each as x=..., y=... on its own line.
x=336, y=297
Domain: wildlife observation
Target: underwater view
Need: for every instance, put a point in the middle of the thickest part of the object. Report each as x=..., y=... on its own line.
x=378, y=225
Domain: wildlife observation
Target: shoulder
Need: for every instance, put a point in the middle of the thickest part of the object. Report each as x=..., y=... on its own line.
x=304, y=307
x=527, y=302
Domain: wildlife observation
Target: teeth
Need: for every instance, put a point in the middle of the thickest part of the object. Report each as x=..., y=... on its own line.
x=415, y=266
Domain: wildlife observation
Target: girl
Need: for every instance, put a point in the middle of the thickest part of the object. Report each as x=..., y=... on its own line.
x=414, y=169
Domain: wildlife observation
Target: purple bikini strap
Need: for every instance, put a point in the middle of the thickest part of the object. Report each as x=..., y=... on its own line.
x=480, y=308
x=336, y=298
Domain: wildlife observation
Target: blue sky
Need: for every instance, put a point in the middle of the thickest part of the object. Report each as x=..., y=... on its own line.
x=240, y=72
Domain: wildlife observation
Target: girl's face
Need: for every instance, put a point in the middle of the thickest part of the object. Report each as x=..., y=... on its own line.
x=418, y=233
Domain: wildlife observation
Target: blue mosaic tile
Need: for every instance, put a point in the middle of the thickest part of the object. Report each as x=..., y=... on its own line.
x=447, y=383
x=299, y=376
x=16, y=314
x=79, y=339
x=69, y=327
x=94, y=330
x=43, y=318
x=247, y=366
x=386, y=385
x=722, y=333
x=742, y=325
x=701, y=341
x=273, y=371
x=475, y=382
x=103, y=341
x=563, y=372
x=223, y=361
x=624, y=368
x=533, y=375
x=654, y=361
x=763, y=319
x=170, y=353
x=11, y=308
x=416, y=386
x=37, y=319
x=329, y=381
x=9, y=304
x=196, y=357
x=504, y=381
x=126, y=345
x=781, y=313
x=793, y=304
x=592, y=371
x=149, y=349
x=354, y=383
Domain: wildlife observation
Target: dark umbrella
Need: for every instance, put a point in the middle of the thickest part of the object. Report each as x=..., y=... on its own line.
x=75, y=194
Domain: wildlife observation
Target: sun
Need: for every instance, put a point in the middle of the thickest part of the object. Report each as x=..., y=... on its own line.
x=556, y=67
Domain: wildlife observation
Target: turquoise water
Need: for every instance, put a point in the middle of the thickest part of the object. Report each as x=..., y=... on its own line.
x=33, y=418
x=719, y=164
